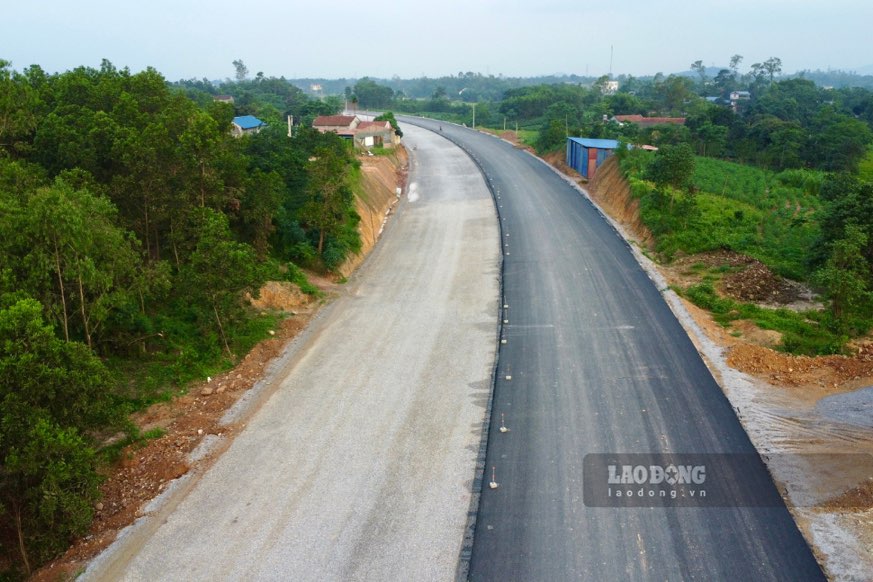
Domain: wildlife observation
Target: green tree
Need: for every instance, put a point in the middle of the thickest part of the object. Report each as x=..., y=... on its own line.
x=371, y=95
x=389, y=117
x=72, y=256
x=848, y=201
x=52, y=393
x=735, y=64
x=699, y=68
x=674, y=92
x=328, y=194
x=848, y=280
x=772, y=66
x=673, y=166
x=18, y=104
x=219, y=271
x=241, y=70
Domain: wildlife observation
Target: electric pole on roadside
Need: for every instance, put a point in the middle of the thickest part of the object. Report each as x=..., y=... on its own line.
x=474, y=116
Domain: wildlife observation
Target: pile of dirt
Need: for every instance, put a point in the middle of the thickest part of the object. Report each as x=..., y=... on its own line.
x=756, y=283
x=281, y=296
x=860, y=497
x=750, y=280
x=714, y=259
x=831, y=372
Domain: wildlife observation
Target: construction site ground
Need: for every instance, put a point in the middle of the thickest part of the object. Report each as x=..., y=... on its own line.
x=813, y=411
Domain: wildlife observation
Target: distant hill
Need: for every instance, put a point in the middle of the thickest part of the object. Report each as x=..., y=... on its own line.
x=837, y=78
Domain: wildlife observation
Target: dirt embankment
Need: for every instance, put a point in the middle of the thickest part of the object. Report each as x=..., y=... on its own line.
x=380, y=177
x=611, y=192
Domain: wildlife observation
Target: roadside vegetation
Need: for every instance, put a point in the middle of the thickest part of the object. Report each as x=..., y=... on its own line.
x=132, y=226
x=783, y=174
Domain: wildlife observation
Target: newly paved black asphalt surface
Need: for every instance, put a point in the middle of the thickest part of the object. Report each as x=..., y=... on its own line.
x=599, y=364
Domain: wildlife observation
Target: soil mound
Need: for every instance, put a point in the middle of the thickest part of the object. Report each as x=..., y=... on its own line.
x=758, y=284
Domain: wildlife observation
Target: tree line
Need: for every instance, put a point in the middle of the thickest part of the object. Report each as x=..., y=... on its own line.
x=815, y=140
x=132, y=225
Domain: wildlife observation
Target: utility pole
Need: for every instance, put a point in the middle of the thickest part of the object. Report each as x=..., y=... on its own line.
x=474, y=116
x=611, y=52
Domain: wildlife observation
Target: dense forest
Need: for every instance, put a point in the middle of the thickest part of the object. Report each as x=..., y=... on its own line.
x=132, y=224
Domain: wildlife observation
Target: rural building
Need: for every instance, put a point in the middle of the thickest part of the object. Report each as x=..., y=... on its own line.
x=342, y=125
x=644, y=122
x=737, y=96
x=223, y=99
x=246, y=124
x=365, y=134
x=375, y=133
x=585, y=155
x=609, y=88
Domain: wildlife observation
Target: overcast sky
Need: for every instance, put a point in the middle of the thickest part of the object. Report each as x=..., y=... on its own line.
x=383, y=38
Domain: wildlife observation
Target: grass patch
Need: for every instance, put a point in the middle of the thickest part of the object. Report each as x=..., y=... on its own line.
x=381, y=151
x=768, y=216
x=186, y=355
x=803, y=333
x=298, y=277
x=112, y=453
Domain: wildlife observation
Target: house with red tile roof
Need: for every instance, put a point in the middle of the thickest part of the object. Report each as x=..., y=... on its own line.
x=364, y=133
x=342, y=125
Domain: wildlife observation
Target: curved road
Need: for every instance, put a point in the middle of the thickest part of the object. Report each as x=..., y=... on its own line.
x=599, y=365
x=359, y=466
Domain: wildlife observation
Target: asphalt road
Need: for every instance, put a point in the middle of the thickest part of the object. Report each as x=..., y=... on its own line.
x=359, y=467
x=599, y=364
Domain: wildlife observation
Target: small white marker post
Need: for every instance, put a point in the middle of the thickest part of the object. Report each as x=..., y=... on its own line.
x=493, y=484
x=503, y=424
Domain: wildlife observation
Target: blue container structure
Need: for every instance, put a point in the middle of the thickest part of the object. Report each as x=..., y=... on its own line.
x=585, y=155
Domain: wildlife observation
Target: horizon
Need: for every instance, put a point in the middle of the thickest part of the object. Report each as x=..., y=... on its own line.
x=388, y=39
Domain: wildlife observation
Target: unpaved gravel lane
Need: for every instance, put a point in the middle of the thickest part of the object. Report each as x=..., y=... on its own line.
x=359, y=467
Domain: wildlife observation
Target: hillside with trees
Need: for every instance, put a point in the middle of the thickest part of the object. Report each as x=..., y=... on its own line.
x=132, y=225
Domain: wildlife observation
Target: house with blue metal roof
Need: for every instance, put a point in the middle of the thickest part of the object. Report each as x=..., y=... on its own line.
x=585, y=154
x=246, y=124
